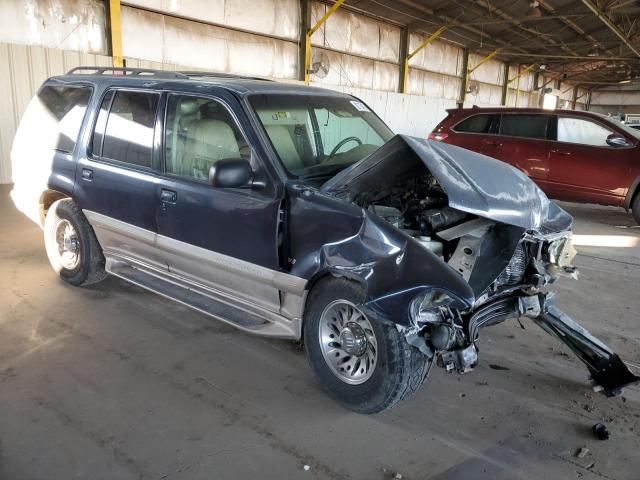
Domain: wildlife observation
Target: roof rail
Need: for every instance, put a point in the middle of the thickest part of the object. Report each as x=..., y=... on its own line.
x=221, y=75
x=117, y=71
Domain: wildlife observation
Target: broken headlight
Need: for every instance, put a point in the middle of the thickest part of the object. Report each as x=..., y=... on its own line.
x=428, y=306
x=561, y=251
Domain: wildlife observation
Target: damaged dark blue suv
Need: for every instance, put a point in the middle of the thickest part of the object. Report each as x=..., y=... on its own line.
x=294, y=212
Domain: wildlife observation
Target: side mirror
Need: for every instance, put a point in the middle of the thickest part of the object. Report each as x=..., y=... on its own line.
x=231, y=173
x=615, y=140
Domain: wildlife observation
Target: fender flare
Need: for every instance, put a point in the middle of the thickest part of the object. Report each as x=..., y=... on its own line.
x=635, y=188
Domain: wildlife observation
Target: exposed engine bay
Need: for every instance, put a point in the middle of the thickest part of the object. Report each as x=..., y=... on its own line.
x=487, y=254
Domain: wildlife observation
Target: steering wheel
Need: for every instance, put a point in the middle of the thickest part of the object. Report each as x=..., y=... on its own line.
x=340, y=144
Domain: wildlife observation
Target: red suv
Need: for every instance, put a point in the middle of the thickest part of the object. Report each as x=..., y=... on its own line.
x=572, y=155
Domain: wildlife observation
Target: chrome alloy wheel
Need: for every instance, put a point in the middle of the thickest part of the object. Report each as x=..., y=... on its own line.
x=348, y=342
x=67, y=245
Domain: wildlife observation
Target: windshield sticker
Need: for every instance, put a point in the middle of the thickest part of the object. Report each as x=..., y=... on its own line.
x=361, y=107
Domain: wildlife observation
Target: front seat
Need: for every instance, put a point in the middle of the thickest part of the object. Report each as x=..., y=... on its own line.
x=207, y=142
x=286, y=149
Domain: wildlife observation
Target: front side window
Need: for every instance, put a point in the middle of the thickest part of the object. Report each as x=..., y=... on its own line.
x=55, y=115
x=199, y=132
x=527, y=126
x=475, y=124
x=128, y=136
x=316, y=135
x=582, y=131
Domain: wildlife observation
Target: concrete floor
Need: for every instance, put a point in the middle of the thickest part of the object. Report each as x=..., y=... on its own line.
x=112, y=382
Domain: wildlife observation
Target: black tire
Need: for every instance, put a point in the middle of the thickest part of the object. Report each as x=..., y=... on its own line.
x=635, y=208
x=89, y=268
x=400, y=369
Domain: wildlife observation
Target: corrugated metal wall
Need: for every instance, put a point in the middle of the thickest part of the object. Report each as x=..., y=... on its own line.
x=251, y=37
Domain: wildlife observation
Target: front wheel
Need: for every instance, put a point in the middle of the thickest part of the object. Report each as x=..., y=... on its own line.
x=72, y=247
x=366, y=365
x=635, y=208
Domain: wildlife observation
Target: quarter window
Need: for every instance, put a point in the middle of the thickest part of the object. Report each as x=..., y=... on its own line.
x=55, y=116
x=527, y=126
x=128, y=135
x=475, y=124
x=585, y=132
x=200, y=132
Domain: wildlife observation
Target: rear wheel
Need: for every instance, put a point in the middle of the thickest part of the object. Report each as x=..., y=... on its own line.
x=635, y=207
x=365, y=364
x=72, y=247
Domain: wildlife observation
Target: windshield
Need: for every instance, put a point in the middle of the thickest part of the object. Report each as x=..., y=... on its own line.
x=627, y=129
x=318, y=135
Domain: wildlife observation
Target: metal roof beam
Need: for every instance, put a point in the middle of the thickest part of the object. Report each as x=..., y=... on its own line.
x=612, y=26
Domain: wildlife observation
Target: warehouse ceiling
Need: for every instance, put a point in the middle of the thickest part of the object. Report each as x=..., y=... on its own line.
x=588, y=42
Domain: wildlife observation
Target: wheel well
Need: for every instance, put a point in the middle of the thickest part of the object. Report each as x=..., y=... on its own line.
x=47, y=199
x=633, y=192
x=335, y=274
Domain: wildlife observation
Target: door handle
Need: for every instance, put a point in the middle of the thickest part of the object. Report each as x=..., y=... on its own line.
x=168, y=196
x=560, y=152
x=87, y=174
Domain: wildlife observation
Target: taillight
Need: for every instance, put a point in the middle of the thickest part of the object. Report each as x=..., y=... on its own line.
x=438, y=136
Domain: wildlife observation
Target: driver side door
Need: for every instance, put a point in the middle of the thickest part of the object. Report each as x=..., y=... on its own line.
x=222, y=238
x=583, y=167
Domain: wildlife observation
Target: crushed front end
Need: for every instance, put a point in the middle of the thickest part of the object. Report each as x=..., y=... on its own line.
x=488, y=223
x=449, y=335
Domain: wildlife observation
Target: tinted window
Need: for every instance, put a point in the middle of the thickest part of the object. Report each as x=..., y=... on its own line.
x=529, y=126
x=475, y=124
x=129, y=133
x=55, y=115
x=199, y=132
x=585, y=132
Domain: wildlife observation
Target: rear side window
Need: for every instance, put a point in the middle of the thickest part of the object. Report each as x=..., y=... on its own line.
x=55, y=114
x=528, y=126
x=585, y=132
x=128, y=135
x=475, y=124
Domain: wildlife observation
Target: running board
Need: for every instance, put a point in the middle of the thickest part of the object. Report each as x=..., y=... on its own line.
x=200, y=300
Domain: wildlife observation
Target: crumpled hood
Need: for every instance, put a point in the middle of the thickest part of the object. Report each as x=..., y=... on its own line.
x=474, y=183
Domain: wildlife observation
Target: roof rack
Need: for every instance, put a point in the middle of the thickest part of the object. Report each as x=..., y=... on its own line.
x=221, y=75
x=117, y=71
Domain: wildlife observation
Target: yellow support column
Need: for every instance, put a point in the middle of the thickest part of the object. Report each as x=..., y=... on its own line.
x=311, y=31
x=430, y=39
x=478, y=65
x=517, y=77
x=116, y=33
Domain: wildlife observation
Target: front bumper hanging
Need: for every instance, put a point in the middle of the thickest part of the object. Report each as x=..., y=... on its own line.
x=608, y=371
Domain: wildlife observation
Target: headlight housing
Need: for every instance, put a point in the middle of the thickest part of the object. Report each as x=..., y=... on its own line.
x=427, y=307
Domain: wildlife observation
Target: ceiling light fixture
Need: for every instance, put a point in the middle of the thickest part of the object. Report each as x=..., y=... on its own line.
x=628, y=80
x=534, y=10
x=594, y=52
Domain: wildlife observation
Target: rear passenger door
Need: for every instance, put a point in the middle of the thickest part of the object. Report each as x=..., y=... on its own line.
x=523, y=142
x=473, y=131
x=222, y=238
x=116, y=178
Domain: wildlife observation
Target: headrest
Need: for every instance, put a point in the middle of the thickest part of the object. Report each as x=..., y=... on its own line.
x=189, y=106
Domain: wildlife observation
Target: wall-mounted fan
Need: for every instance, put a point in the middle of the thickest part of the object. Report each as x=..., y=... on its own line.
x=320, y=65
x=473, y=87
